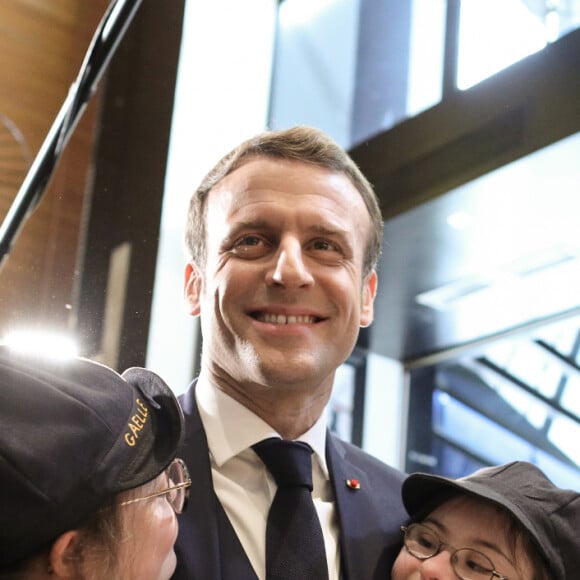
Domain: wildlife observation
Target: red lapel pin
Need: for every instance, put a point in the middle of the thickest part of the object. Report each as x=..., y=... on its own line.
x=353, y=484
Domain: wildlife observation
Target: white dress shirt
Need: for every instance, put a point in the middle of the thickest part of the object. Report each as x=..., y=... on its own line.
x=245, y=487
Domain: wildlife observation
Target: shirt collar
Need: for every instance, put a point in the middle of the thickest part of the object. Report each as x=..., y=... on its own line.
x=231, y=428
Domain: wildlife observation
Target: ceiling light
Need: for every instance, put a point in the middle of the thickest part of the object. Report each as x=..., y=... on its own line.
x=459, y=220
x=42, y=343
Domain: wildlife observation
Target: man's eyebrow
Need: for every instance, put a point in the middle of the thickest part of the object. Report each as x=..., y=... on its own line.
x=259, y=223
x=327, y=230
x=265, y=224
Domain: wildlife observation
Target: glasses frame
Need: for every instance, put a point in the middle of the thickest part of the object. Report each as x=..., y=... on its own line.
x=183, y=485
x=452, y=550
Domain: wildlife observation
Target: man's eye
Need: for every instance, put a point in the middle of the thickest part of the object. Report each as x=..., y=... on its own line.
x=250, y=247
x=248, y=241
x=324, y=245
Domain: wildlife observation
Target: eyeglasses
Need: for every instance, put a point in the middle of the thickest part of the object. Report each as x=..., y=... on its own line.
x=468, y=564
x=178, y=492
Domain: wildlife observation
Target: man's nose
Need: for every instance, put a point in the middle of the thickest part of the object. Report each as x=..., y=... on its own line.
x=290, y=268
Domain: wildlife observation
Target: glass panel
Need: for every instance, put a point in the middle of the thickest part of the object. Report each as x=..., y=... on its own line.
x=361, y=67
x=570, y=399
x=315, y=66
x=466, y=429
x=563, y=17
x=525, y=361
x=565, y=434
x=452, y=461
x=562, y=336
x=426, y=55
x=497, y=33
x=341, y=405
x=562, y=475
x=475, y=382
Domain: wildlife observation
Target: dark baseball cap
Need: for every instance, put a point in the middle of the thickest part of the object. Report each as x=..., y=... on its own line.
x=550, y=514
x=73, y=434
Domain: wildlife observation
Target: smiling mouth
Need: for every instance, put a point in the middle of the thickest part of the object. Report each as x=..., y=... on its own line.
x=283, y=319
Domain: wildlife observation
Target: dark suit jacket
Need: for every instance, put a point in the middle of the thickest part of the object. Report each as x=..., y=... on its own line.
x=369, y=518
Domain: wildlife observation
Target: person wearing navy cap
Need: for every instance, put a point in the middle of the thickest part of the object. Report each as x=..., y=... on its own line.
x=507, y=522
x=89, y=479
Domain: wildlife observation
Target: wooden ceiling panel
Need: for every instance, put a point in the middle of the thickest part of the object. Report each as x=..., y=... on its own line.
x=42, y=46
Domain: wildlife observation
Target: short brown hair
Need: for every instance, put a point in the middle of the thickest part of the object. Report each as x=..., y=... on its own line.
x=101, y=535
x=301, y=143
x=102, y=551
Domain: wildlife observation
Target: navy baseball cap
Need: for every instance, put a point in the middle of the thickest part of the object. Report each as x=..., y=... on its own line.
x=550, y=514
x=73, y=434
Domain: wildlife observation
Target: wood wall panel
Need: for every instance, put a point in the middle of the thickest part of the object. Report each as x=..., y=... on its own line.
x=42, y=46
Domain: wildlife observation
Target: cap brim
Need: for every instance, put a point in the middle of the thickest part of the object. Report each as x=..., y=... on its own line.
x=164, y=438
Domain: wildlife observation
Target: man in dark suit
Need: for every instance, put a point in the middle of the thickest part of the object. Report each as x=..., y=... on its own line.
x=284, y=235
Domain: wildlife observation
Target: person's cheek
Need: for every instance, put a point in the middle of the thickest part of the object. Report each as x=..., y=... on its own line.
x=170, y=560
x=404, y=566
x=158, y=561
x=166, y=525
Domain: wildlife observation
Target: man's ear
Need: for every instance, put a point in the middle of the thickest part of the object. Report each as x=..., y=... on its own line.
x=192, y=288
x=64, y=557
x=369, y=292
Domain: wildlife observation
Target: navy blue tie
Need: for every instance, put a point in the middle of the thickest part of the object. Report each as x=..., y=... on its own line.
x=294, y=541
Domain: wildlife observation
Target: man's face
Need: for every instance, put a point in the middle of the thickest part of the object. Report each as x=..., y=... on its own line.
x=282, y=295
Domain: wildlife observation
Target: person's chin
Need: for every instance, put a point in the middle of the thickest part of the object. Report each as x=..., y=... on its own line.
x=168, y=566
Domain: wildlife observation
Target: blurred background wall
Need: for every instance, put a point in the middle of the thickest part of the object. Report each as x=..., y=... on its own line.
x=465, y=116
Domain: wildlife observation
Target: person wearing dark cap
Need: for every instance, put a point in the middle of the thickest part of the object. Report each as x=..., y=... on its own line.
x=89, y=479
x=507, y=522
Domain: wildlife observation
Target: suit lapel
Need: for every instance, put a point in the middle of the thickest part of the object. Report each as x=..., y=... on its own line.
x=351, y=504
x=207, y=541
x=198, y=542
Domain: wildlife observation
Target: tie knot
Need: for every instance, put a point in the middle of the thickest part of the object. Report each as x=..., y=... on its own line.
x=289, y=462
